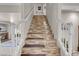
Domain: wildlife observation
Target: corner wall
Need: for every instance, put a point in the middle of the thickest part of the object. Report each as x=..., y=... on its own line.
x=52, y=15
x=53, y=12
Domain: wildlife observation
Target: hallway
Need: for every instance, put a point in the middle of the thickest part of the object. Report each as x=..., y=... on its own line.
x=39, y=29
x=40, y=41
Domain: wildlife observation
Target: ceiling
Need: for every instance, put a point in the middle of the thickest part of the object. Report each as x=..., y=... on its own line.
x=71, y=4
x=9, y=7
x=10, y=4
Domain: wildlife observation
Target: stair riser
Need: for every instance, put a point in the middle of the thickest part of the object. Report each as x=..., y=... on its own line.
x=34, y=45
x=33, y=55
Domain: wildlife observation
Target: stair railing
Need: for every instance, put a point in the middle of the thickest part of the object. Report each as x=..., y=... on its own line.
x=27, y=21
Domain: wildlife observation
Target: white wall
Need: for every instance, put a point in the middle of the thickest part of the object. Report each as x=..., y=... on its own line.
x=52, y=15
x=8, y=8
x=54, y=18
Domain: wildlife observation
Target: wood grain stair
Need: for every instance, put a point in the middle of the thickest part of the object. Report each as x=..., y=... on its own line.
x=40, y=40
x=34, y=38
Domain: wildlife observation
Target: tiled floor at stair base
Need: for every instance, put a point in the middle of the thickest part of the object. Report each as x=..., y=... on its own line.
x=39, y=25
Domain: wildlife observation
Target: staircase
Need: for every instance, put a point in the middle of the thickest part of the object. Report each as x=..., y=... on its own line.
x=40, y=41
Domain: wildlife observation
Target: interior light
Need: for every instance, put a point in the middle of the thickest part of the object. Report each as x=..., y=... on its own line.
x=73, y=17
x=11, y=19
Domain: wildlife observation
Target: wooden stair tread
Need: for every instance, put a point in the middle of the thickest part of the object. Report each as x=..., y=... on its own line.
x=35, y=36
x=38, y=31
x=36, y=28
x=35, y=42
x=35, y=50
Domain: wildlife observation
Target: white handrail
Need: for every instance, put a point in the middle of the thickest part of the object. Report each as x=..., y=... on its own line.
x=28, y=13
x=21, y=43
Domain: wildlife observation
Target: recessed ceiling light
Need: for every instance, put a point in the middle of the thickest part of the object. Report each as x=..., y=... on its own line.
x=11, y=19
